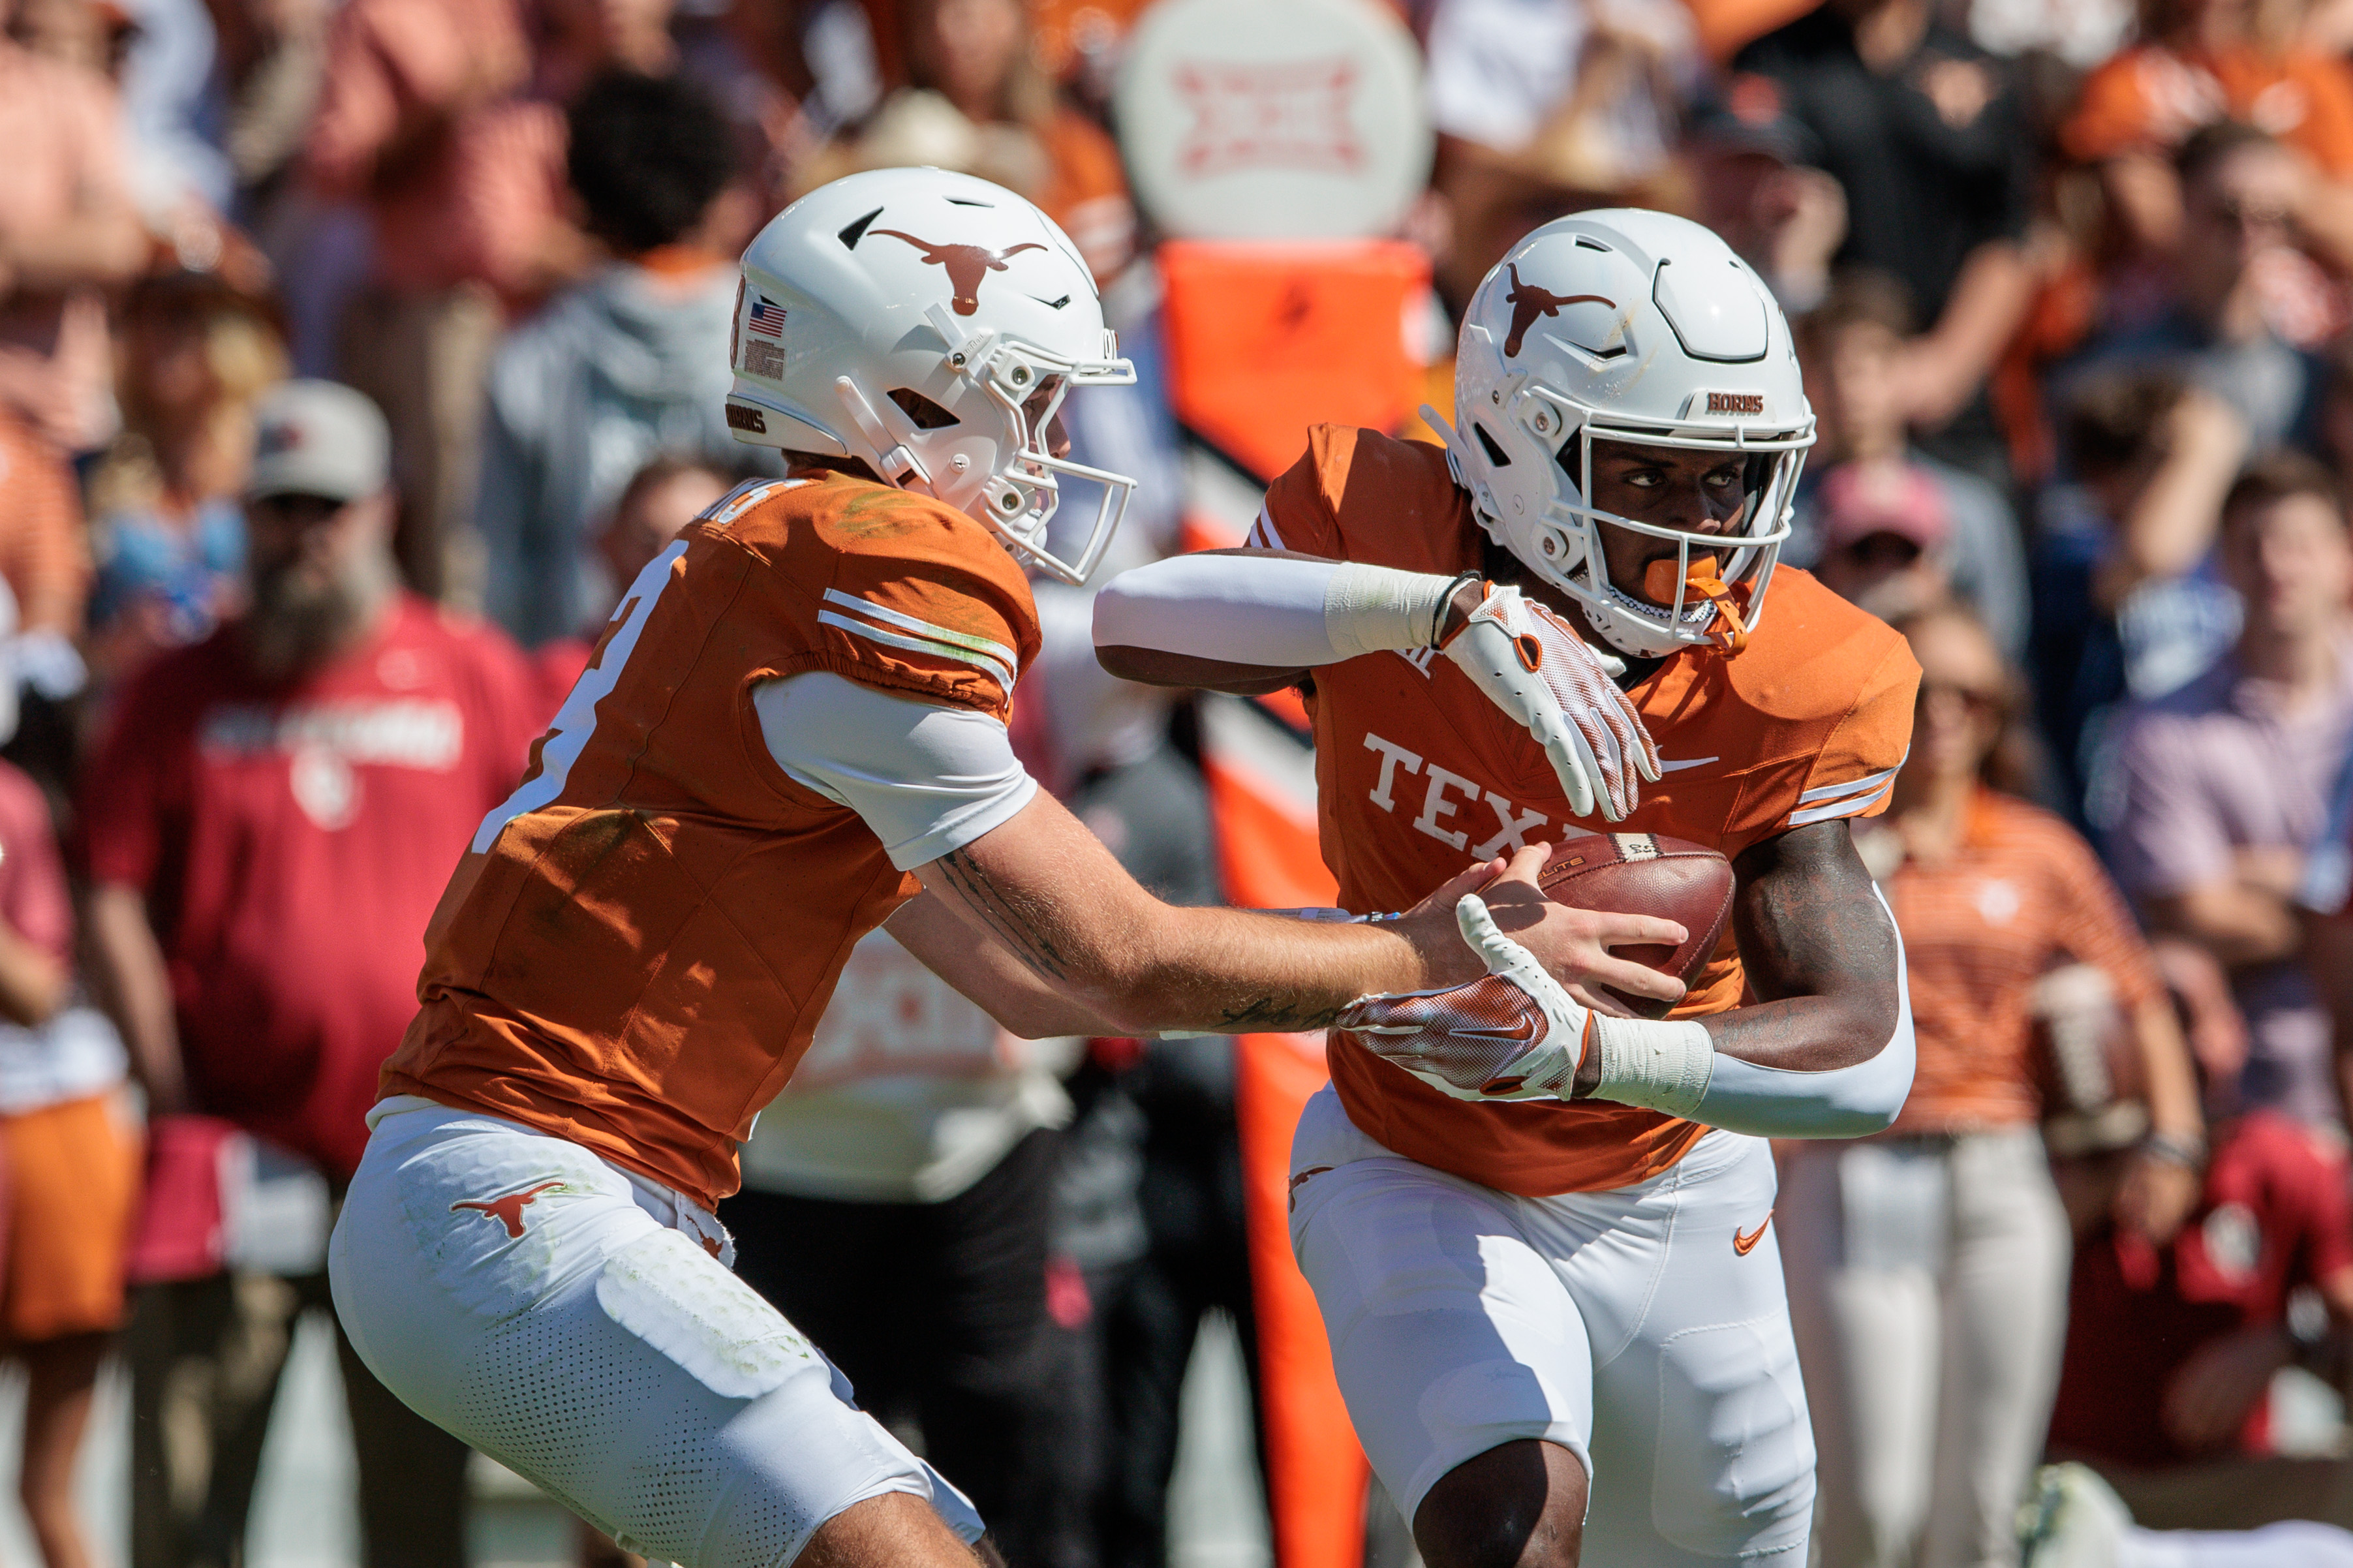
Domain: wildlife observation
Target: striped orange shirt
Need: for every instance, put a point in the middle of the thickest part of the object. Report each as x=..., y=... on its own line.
x=2023, y=892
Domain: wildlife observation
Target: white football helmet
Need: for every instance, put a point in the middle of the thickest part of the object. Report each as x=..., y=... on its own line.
x=930, y=324
x=1641, y=328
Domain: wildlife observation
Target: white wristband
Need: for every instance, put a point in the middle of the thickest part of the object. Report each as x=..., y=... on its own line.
x=1375, y=609
x=1662, y=1064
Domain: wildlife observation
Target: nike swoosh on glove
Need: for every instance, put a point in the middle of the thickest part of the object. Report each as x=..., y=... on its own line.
x=1532, y=664
x=1513, y=1034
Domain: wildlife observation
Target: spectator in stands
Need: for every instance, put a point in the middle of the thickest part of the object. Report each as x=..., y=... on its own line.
x=1752, y=167
x=169, y=526
x=1927, y=1269
x=2129, y=601
x=2171, y=1348
x=2197, y=63
x=659, y=500
x=1885, y=539
x=69, y=1159
x=69, y=229
x=1928, y=134
x=975, y=99
x=630, y=362
x=1852, y=348
x=1543, y=106
x=2239, y=188
x=2227, y=782
x=269, y=821
x=435, y=114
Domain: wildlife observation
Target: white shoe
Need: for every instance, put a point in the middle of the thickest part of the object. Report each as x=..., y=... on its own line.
x=2073, y=1521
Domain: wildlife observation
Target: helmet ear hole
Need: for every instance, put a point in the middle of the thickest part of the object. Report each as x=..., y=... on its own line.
x=926, y=413
x=1487, y=443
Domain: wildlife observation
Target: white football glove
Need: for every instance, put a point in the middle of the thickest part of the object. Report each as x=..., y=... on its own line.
x=1513, y=1034
x=1534, y=666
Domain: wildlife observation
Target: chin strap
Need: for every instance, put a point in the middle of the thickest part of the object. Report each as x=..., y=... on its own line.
x=1729, y=630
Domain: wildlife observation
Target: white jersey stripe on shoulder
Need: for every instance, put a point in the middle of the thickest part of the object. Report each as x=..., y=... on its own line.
x=1264, y=534
x=923, y=628
x=1868, y=783
x=980, y=661
x=1825, y=812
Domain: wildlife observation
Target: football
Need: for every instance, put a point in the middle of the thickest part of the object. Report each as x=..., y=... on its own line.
x=1647, y=874
x=2086, y=1064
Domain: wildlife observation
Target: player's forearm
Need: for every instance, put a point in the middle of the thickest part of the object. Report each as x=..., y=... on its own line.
x=1827, y=1053
x=1143, y=967
x=1227, y=971
x=1256, y=620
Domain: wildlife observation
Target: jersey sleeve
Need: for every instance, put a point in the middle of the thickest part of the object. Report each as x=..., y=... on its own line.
x=925, y=779
x=1853, y=774
x=952, y=641
x=1297, y=514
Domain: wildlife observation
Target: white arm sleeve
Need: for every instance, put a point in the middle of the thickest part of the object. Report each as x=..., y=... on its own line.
x=1286, y=615
x=926, y=777
x=1770, y=1102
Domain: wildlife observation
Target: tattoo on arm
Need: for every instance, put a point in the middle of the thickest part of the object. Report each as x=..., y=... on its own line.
x=1272, y=1012
x=1016, y=927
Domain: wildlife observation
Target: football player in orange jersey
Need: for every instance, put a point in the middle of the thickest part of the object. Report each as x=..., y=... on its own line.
x=793, y=729
x=1536, y=1226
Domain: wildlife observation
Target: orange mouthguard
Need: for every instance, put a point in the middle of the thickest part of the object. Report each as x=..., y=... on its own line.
x=1730, y=629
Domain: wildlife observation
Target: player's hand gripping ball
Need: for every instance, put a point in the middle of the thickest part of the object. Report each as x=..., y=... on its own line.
x=1647, y=874
x=1532, y=664
x=1517, y=1033
x=1513, y=1034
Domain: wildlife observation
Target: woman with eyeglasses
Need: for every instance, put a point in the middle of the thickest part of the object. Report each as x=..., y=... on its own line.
x=1928, y=1266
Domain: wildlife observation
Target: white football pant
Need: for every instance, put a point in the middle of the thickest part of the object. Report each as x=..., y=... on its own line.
x=1644, y=1330
x=578, y=1325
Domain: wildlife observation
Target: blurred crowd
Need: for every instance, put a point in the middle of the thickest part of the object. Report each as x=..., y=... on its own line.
x=354, y=353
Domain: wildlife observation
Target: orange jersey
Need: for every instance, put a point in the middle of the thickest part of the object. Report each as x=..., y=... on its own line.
x=1978, y=931
x=637, y=948
x=1417, y=775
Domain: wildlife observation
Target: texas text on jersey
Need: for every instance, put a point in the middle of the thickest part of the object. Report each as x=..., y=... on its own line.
x=1417, y=776
x=657, y=878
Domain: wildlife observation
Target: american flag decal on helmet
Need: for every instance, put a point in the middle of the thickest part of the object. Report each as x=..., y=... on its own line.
x=767, y=317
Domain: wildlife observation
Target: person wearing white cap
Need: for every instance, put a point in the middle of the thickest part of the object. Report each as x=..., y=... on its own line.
x=269, y=817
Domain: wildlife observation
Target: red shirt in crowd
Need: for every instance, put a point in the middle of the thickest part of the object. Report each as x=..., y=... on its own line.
x=2275, y=1215
x=291, y=841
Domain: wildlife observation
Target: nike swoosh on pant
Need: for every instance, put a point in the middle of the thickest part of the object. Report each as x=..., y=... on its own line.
x=1747, y=1244
x=1667, y=767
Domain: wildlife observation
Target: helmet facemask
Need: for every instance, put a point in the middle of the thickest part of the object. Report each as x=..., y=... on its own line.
x=989, y=455
x=1564, y=546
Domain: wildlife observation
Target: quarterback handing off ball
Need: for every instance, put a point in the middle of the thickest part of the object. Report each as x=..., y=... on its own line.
x=1647, y=874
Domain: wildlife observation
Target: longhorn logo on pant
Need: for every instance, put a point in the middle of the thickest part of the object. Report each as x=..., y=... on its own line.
x=507, y=1209
x=1528, y=301
x=966, y=264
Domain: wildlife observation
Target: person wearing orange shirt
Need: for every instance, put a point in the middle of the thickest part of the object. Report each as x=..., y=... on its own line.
x=1928, y=1266
x=2199, y=63
x=1536, y=1226
x=793, y=731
